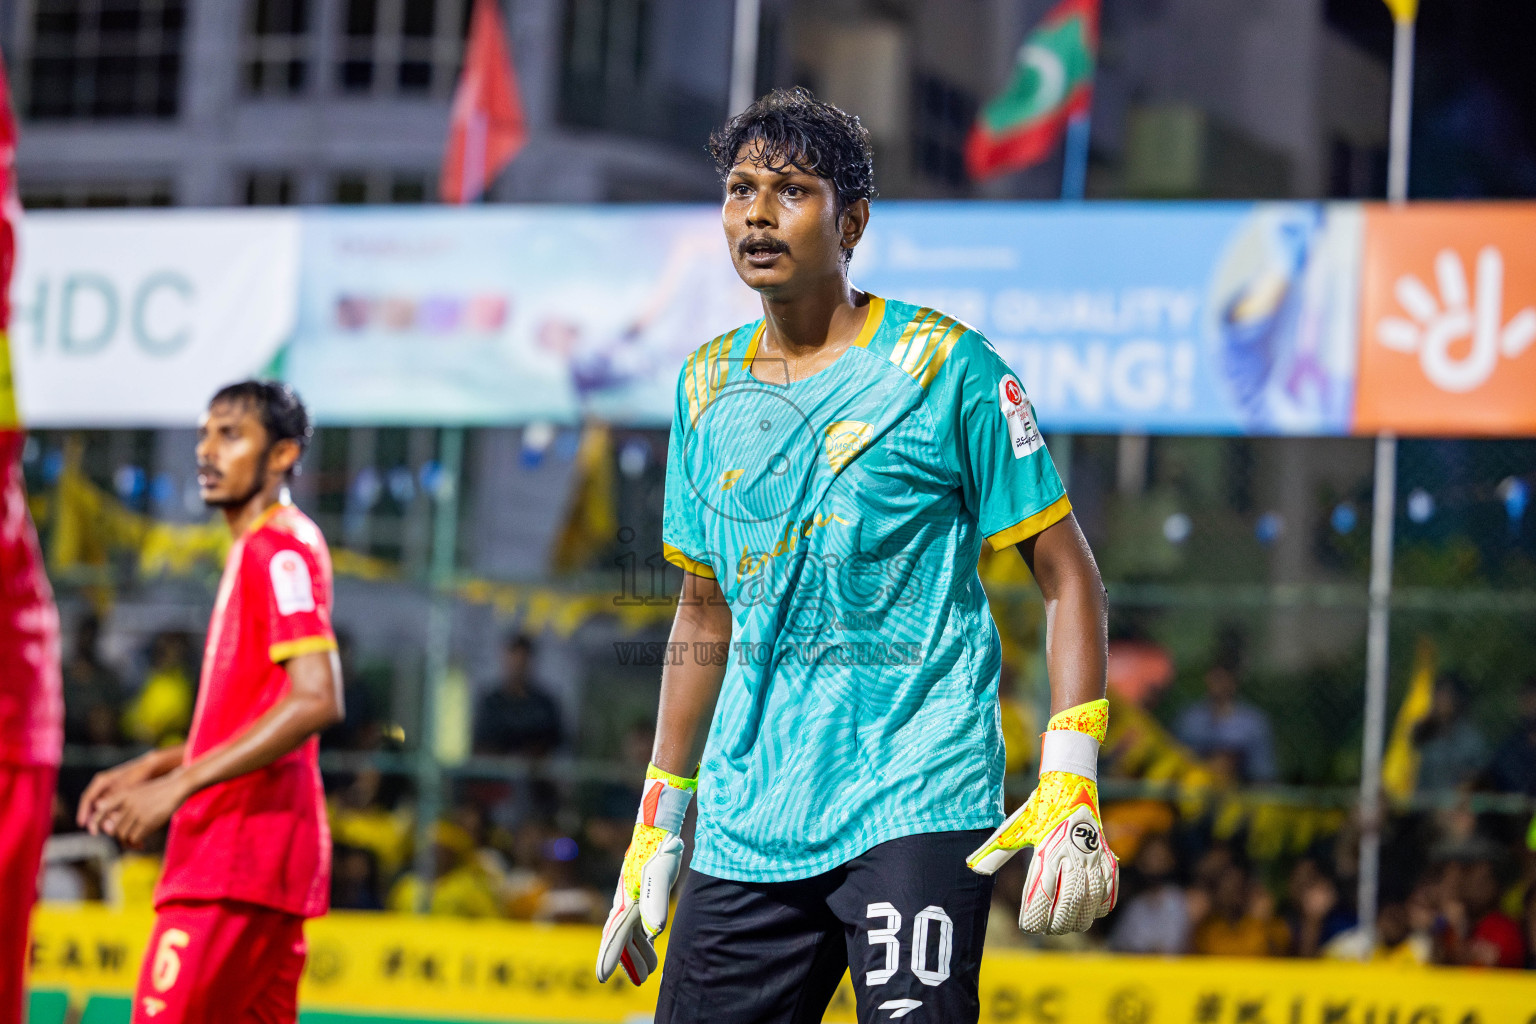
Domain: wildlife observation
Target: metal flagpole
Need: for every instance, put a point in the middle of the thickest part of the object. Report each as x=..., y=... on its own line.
x=744, y=56
x=1383, y=511
x=1074, y=166
x=429, y=770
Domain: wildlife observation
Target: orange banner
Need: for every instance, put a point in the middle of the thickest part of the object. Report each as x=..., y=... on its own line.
x=1448, y=320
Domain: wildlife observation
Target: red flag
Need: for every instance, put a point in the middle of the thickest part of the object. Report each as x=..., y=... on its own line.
x=487, y=128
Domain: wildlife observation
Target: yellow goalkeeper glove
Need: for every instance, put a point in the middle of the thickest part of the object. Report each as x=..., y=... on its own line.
x=1074, y=877
x=651, y=866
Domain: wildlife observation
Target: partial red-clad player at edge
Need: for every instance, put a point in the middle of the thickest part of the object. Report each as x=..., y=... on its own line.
x=249, y=852
x=31, y=693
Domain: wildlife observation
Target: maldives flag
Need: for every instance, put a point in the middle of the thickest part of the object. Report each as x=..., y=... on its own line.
x=487, y=128
x=1052, y=81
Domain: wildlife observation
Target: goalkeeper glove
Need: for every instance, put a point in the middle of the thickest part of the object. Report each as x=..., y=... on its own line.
x=651, y=865
x=1074, y=877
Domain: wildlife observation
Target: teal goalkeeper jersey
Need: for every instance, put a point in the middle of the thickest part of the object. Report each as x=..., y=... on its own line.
x=843, y=516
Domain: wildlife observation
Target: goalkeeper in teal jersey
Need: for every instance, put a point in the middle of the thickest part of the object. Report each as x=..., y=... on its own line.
x=832, y=473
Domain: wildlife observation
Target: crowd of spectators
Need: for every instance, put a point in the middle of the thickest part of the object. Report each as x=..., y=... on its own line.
x=541, y=844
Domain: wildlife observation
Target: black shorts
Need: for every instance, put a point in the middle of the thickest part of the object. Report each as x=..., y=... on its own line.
x=908, y=918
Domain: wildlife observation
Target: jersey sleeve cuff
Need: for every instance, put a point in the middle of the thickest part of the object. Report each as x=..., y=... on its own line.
x=687, y=564
x=1053, y=513
x=281, y=652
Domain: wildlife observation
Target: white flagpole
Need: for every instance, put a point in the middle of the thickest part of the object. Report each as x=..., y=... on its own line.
x=1383, y=512
x=744, y=56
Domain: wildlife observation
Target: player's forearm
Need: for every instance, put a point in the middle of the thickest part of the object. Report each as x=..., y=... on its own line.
x=1076, y=614
x=162, y=760
x=313, y=703
x=690, y=681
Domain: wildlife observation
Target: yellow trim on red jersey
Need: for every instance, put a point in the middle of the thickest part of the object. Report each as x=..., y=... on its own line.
x=1052, y=514
x=304, y=645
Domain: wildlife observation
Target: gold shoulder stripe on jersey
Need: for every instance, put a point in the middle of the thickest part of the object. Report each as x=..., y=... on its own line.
x=704, y=374
x=925, y=344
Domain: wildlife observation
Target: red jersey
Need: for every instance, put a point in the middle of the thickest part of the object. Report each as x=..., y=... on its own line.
x=31, y=689
x=261, y=837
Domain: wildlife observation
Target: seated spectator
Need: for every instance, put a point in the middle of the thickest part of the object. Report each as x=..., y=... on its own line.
x=1452, y=752
x=93, y=693
x=460, y=886
x=1222, y=724
x=1317, y=914
x=1513, y=769
x=1477, y=932
x=517, y=717
x=1242, y=920
x=162, y=711
x=1156, y=920
x=354, y=879
x=1401, y=938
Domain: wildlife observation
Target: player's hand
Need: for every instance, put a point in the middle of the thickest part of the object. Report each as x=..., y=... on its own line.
x=651, y=866
x=1074, y=878
x=109, y=784
x=133, y=814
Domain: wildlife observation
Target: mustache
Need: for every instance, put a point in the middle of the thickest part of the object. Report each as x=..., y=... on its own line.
x=204, y=468
x=764, y=243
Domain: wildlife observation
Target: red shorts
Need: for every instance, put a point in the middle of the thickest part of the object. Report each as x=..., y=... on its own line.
x=221, y=962
x=26, y=815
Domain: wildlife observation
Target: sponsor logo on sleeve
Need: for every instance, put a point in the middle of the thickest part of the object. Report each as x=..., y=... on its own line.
x=291, y=583
x=1023, y=433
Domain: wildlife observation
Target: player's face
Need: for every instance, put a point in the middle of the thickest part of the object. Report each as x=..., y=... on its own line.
x=782, y=226
x=232, y=454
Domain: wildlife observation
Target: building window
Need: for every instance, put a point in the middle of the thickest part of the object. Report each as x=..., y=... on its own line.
x=270, y=188
x=357, y=187
x=942, y=115
x=104, y=59
x=401, y=46
x=75, y=195
x=605, y=60
x=275, y=51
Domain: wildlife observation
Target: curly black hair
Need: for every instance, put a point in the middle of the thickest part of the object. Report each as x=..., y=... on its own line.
x=795, y=129
x=281, y=410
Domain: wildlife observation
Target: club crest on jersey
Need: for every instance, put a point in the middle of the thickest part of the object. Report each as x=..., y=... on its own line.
x=1023, y=435
x=291, y=585
x=845, y=439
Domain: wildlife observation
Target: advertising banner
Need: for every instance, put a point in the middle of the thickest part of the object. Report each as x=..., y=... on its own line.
x=1224, y=318
x=508, y=314
x=1448, y=320
x=136, y=318
x=1171, y=318
x=381, y=967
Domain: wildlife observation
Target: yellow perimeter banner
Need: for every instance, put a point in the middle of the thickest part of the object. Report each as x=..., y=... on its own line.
x=382, y=966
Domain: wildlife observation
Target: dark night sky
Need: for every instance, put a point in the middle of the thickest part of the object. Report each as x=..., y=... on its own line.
x=1474, y=131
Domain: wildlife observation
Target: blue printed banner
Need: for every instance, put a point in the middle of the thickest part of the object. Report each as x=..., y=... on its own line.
x=1181, y=318
x=1168, y=318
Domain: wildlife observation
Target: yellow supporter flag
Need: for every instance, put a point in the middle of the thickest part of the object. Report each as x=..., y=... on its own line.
x=1400, y=763
x=1403, y=10
x=10, y=417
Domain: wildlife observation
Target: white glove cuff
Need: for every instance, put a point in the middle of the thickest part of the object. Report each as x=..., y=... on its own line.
x=663, y=806
x=1066, y=750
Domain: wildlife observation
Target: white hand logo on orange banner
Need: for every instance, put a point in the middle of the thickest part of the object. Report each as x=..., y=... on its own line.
x=1458, y=338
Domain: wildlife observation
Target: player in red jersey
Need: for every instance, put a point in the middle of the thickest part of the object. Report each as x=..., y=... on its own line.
x=249, y=852
x=31, y=718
